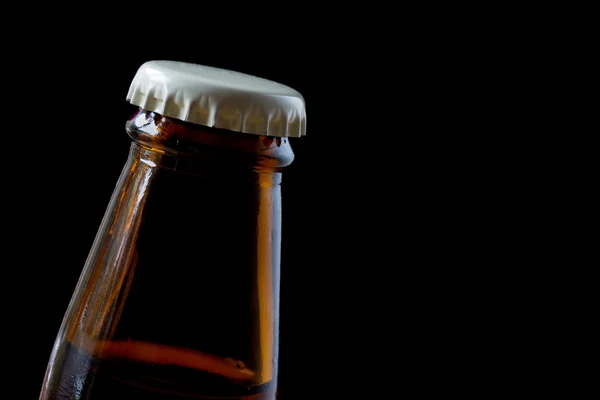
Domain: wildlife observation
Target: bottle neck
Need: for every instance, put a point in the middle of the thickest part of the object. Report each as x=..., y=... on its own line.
x=194, y=148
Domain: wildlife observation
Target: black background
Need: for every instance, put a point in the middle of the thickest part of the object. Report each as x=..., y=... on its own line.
x=413, y=198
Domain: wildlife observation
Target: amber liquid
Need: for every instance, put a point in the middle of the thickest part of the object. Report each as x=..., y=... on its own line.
x=85, y=377
x=187, y=321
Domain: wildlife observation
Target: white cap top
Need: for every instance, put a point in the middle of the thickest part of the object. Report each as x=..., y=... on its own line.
x=218, y=98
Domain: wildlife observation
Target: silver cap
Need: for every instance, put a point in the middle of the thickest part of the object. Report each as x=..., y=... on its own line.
x=218, y=98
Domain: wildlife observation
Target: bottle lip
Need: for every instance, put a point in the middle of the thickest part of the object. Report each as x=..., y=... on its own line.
x=219, y=98
x=173, y=137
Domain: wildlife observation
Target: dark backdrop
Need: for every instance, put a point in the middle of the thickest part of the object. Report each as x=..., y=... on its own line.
x=405, y=235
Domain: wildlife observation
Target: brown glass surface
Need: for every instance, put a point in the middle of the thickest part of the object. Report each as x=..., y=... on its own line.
x=179, y=298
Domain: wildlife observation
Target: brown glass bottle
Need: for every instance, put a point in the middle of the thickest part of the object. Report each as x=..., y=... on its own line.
x=179, y=297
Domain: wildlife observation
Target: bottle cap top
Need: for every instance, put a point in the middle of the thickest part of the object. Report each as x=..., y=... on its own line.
x=218, y=98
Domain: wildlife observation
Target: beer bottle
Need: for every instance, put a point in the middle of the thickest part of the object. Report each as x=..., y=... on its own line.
x=179, y=296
